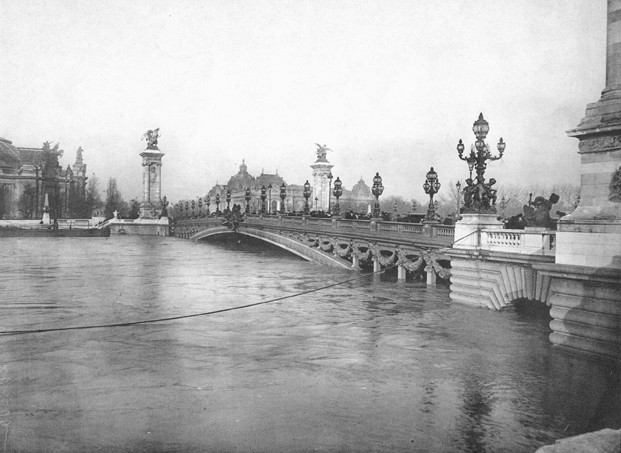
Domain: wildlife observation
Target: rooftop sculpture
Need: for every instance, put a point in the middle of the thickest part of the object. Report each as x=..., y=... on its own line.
x=322, y=150
x=151, y=137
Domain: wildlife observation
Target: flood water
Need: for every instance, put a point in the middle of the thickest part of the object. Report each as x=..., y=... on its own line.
x=367, y=365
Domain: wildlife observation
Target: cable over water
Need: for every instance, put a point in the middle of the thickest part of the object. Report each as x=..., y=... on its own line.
x=192, y=315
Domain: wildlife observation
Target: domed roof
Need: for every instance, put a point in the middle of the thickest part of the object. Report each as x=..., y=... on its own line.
x=361, y=189
x=241, y=180
x=9, y=154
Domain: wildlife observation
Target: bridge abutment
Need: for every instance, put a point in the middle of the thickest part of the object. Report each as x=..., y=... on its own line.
x=586, y=276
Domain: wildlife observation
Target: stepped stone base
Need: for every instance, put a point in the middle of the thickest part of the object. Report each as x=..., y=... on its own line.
x=140, y=227
x=586, y=308
x=606, y=440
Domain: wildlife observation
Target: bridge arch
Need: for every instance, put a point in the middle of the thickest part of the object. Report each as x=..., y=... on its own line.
x=283, y=242
x=494, y=283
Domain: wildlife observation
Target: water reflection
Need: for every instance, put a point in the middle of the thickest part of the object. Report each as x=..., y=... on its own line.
x=364, y=366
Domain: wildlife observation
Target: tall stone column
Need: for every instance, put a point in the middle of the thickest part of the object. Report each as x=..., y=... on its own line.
x=591, y=235
x=151, y=205
x=321, y=169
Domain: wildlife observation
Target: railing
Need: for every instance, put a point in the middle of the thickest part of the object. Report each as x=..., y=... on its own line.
x=434, y=234
x=60, y=223
x=353, y=224
x=536, y=241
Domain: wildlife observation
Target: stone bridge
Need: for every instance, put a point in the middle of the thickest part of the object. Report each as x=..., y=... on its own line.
x=487, y=266
x=342, y=242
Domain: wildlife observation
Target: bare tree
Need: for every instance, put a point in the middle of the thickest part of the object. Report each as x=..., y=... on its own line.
x=114, y=199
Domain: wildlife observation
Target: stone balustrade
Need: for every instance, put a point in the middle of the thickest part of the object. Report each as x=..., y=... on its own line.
x=530, y=241
x=444, y=233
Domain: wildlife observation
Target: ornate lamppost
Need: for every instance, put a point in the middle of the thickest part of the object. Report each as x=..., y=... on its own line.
x=283, y=195
x=479, y=196
x=307, y=194
x=187, y=209
x=338, y=191
x=200, y=207
x=394, y=210
x=263, y=197
x=458, y=187
x=193, y=205
x=228, y=201
x=208, y=201
x=217, y=203
x=431, y=186
x=247, y=198
x=269, y=200
x=329, y=189
x=377, y=190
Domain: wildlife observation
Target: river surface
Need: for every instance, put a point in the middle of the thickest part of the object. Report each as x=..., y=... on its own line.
x=367, y=365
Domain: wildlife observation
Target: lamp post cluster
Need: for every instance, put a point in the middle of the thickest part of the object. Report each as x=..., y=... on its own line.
x=263, y=197
x=283, y=195
x=338, y=191
x=377, y=190
x=329, y=190
x=247, y=197
x=479, y=196
x=307, y=194
x=431, y=187
x=269, y=198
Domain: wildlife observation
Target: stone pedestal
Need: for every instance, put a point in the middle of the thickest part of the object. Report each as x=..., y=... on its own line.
x=321, y=184
x=467, y=230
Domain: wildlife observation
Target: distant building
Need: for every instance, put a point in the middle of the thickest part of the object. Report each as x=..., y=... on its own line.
x=243, y=180
x=357, y=199
x=28, y=174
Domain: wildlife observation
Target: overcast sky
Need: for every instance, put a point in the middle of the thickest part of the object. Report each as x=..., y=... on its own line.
x=390, y=86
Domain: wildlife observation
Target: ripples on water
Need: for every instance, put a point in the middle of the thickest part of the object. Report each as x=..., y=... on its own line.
x=365, y=366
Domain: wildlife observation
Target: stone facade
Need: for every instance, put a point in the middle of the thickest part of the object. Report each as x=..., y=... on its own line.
x=28, y=174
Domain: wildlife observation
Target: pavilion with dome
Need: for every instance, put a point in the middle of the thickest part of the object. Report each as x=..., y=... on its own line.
x=356, y=199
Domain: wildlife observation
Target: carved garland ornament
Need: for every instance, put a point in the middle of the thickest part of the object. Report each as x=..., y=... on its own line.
x=325, y=244
x=358, y=253
x=338, y=248
x=403, y=260
x=608, y=142
x=431, y=259
x=377, y=255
